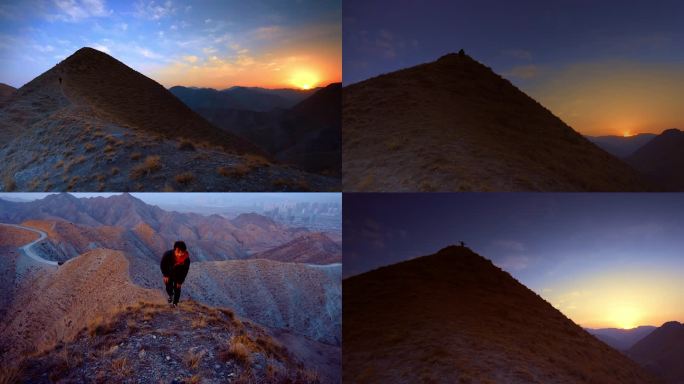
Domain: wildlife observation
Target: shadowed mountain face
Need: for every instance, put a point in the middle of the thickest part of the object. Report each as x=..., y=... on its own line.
x=6, y=92
x=661, y=352
x=306, y=135
x=662, y=160
x=620, y=146
x=455, y=317
x=92, y=123
x=621, y=339
x=313, y=248
x=453, y=124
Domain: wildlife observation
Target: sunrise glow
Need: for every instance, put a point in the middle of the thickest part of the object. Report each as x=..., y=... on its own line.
x=304, y=79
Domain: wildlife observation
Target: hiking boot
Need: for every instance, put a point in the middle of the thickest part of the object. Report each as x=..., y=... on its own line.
x=170, y=299
x=174, y=305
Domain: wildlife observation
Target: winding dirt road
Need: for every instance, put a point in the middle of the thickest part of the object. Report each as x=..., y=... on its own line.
x=27, y=247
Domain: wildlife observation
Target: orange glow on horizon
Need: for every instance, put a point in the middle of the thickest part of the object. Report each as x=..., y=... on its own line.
x=620, y=299
x=627, y=134
x=304, y=79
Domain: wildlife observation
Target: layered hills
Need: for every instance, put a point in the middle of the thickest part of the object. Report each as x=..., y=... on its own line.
x=455, y=125
x=662, y=160
x=455, y=317
x=102, y=312
x=621, y=146
x=661, y=352
x=92, y=123
x=305, y=134
x=273, y=295
x=621, y=339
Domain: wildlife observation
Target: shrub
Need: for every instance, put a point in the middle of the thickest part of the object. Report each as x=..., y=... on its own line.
x=150, y=165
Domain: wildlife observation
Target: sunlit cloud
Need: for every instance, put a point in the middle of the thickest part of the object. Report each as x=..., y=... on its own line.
x=75, y=10
x=153, y=10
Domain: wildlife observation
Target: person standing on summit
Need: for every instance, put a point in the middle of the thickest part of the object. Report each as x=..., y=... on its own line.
x=174, y=267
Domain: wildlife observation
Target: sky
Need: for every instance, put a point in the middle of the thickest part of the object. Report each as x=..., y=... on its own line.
x=192, y=200
x=604, y=260
x=217, y=43
x=605, y=68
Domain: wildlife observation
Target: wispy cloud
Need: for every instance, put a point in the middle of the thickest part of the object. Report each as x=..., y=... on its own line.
x=154, y=11
x=75, y=10
x=523, y=72
x=519, y=54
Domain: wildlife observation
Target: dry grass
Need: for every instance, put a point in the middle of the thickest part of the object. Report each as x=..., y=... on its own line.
x=199, y=322
x=89, y=147
x=238, y=349
x=135, y=156
x=192, y=358
x=150, y=165
x=184, y=178
x=10, y=374
x=121, y=367
x=98, y=326
x=237, y=171
x=59, y=164
x=10, y=184
x=114, y=171
x=186, y=145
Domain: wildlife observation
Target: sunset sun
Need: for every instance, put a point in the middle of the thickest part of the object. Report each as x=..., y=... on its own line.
x=304, y=79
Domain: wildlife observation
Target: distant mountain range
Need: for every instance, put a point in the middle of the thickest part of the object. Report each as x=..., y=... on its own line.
x=621, y=339
x=92, y=123
x=296, y=127
x=621, y=146
x=455, y=317
x=455, y=125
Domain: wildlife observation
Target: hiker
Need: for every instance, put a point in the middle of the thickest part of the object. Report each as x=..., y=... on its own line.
x=60, y=81
x=174, y=266
x=462, y=244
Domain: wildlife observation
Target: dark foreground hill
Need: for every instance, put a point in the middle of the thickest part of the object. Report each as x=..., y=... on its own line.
x=92, y=123
x=662, y=352
x=454, y=317
x=661, y=160
x=455, y=125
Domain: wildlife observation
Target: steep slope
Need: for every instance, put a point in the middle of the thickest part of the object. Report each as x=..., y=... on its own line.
x=455, y=317
x=304, y=299
x=313, y=248
x=453, y=125
x=92, y=123
x=58, y=303
x=621, y=339
x=6, y=92
x=621, y=146
x=662, y=160
x=661, y=352
x=149, y=342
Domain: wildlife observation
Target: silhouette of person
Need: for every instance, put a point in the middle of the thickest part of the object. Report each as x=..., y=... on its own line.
x=60, y=81
x=174, y=267
x=462, y=244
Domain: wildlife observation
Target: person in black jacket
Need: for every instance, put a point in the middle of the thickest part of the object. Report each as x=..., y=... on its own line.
x=174, y=267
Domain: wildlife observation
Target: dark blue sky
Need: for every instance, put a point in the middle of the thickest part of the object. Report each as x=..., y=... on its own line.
x=544, y=47
x=570, y=248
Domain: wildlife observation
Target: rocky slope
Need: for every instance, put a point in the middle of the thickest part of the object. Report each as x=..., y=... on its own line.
x=92, y=123
x=312, y=248
x=455, y=125
x=456, y=317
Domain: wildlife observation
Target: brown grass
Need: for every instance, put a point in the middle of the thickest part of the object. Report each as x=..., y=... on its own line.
x=114, y=171
x=121, y=367
x=237, y=171
x=192, y=358
x=150, y=165
x=238, y=349
x=9, y=374
x=185, y=178
x=135, y=156
x=10, y=184
x=89, y=147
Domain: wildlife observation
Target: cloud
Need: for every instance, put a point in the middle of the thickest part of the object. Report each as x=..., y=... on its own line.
x=191, y=59
x=75, y=10
x=101, y=48
x=509, y=245
x=268, y=32
x=523, y=72
x=519, y=54
x=43, y=48
x=153, y=11
x=514, y=263
x=123, y=26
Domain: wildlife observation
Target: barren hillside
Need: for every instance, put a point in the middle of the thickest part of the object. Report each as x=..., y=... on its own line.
x=455, y=317
x=455, y=125
x=92, y=123
x=313, y=248
x=661, y=160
